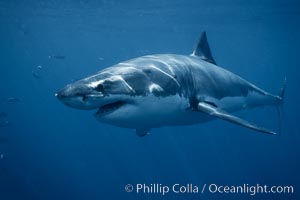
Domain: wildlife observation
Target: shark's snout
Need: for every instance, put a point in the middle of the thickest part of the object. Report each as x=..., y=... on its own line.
x=77, y=96
x=74, y=90
x=61, y=94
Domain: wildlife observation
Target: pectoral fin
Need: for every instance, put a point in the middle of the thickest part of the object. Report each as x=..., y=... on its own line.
x=216, y=112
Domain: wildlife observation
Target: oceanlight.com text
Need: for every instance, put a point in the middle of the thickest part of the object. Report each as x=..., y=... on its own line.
x=190, y=188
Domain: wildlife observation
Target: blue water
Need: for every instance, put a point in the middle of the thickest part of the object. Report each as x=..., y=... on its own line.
x=50, y=151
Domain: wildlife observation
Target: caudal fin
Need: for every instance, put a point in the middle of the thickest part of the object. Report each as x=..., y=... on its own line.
x=280, y=105
x=282, y=90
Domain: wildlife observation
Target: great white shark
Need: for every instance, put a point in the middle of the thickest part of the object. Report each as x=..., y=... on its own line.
x=168, y=90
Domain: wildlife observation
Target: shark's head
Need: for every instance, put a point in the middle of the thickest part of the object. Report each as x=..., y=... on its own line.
x=111, y=91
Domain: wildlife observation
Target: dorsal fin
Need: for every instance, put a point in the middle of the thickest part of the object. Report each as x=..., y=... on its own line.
x=202, y=49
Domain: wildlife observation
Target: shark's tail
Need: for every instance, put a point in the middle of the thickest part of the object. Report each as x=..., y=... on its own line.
x=282, y=90
x=280, y=105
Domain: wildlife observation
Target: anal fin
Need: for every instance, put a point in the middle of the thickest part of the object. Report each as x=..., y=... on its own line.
x=216, y=112
x=142, y=131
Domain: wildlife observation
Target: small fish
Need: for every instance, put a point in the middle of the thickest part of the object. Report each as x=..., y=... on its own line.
x=2, y=156
x=36, y=72
x=13, y=100
x=61, y=57
x=39, y=67
x=100, y=58
x=35, y=75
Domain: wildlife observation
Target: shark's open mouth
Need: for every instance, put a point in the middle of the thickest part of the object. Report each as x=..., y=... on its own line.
x=110, y=107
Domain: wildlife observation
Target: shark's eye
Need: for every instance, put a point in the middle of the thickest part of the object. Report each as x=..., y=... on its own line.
x=99, y=88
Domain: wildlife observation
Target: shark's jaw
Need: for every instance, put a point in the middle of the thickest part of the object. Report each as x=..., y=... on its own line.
x=103, y=105
x=110, y=107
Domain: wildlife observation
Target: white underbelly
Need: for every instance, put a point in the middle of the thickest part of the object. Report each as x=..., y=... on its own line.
x=151, y=111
